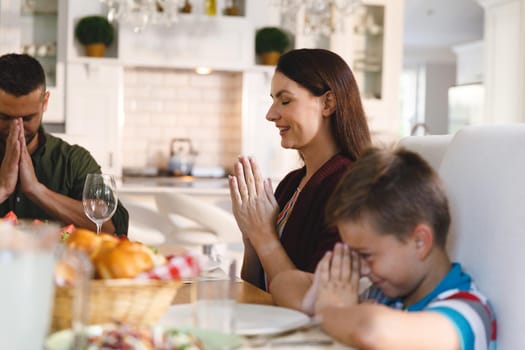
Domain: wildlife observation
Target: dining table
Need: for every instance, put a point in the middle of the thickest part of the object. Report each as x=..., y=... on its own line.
x=309, y=336
x=246, y=293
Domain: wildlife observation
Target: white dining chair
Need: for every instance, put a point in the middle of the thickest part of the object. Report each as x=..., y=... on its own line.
x=431, y=147
x=146, y=224
x=484, y=175
x=198, y=221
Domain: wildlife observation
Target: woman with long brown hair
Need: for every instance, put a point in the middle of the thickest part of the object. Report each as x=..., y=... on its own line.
x=317, y=110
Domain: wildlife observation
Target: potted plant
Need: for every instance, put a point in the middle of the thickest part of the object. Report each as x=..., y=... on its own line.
x=95, y=33
x=270, y=43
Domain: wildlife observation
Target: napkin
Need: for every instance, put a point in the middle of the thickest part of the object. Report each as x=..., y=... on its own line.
x=177, y=267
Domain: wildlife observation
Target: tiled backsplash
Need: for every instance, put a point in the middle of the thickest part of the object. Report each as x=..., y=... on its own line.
x=162, y=104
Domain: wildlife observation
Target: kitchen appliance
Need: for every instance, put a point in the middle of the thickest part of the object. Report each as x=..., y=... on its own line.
x=182, y=157
x=465, y=106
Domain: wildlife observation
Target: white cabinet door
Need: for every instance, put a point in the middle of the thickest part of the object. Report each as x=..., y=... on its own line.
x=381, y=77
x=94, y=111
x=370, y=40
x=222, y=43
x=33, y=27
x=469, y=63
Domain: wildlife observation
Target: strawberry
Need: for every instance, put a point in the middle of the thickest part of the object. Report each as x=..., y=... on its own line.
x=11, y=216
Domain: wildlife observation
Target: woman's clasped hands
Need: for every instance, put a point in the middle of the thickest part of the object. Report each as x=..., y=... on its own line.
x=253, y=202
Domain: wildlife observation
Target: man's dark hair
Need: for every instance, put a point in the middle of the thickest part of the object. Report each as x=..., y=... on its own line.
x=21, y=74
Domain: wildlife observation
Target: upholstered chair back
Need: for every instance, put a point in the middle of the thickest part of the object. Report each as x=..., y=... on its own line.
x=483, y=171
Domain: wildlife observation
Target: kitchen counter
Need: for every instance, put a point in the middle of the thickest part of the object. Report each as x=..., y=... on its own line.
x=184, y=184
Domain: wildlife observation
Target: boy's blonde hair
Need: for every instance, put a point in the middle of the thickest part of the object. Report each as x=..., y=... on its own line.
x=396, y=190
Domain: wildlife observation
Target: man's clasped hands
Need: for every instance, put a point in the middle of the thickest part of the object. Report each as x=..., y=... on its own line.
x=16, y=165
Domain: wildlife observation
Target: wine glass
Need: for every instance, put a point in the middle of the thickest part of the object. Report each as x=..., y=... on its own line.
x=99, y=198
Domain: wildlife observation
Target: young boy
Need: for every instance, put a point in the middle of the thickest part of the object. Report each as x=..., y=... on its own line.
x=392, y=214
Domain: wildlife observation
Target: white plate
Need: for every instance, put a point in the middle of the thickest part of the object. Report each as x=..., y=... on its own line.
x=250, y=319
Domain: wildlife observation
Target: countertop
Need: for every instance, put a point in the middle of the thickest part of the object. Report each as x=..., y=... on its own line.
x=187, y=184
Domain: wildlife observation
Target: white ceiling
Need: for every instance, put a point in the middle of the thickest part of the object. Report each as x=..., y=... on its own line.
x=441, y=23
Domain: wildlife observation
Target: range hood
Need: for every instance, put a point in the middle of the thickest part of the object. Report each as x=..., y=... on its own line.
x=217, y=43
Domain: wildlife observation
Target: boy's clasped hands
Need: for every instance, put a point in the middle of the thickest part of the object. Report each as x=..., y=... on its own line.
x=336, y=280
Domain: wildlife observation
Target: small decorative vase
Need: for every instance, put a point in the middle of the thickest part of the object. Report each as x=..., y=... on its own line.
x=232, y=9
x=210, y=7
x=95, y=50
x=270, y=58
x=186, y=8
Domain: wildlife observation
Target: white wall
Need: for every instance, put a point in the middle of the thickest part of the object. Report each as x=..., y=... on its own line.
x=161, y=104
x=436, y=72
x=504, y=68
x=439, y=78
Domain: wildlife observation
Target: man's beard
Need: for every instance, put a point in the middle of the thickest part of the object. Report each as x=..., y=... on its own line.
x=30, y=138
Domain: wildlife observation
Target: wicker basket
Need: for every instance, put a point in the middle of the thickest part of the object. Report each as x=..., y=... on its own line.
x=135, y=301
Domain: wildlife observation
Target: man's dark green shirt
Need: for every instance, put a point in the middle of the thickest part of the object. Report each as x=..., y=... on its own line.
x=62, y=168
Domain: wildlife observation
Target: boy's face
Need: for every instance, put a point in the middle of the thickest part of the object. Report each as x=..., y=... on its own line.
x=391, y=265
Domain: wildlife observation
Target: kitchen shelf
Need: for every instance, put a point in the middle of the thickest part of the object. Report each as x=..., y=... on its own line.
x=262, y=68
x=39, y=30
x=39, y=7
x=96, y=61
x=39, y=13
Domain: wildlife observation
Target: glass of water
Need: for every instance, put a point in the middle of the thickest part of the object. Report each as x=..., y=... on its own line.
x=27, y=262
x=100, y=198
x=215, y=299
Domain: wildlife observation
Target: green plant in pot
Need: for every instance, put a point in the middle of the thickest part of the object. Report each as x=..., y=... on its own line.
x=95, y=33
x=270, y=43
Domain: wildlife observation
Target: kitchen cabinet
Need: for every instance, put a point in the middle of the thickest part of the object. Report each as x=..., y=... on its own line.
x=377, y=62
x=370, y=40
x=219, y=43
x=94, y=110
x=469, y=63
x=32, y=27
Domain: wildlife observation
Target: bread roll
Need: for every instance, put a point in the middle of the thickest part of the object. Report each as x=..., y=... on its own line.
x=125, y=260
x=90, y=242
x=85, y=240
x=113, y=257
